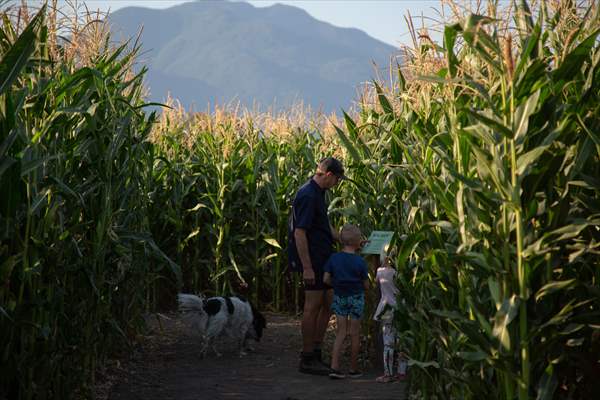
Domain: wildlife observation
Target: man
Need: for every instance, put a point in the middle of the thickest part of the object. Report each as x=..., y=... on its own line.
x=311, y=238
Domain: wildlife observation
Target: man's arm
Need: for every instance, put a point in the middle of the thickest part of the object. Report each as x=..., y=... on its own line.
x=327, y=278
x=302, y=247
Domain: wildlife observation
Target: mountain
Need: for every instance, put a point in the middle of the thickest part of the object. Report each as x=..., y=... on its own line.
x=218, y=51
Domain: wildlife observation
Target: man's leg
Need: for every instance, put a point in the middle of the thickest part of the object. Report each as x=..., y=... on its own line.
x=313, y=300
x=323, y=317
x=312, y=303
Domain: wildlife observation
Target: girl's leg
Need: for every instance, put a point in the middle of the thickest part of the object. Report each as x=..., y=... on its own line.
x=402, y=365
x=340, y=335
x=355, y=340
x=388, y=348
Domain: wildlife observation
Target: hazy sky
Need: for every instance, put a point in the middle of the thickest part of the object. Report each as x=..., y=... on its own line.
x=381, y=19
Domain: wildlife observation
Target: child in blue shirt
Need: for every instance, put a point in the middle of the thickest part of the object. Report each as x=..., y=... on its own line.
x=346, y=271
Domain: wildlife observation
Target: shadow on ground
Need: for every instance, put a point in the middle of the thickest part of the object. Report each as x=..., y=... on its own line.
x=167, y=366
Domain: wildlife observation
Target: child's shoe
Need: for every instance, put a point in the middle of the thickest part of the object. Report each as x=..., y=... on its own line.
x=385, y=379
x=400, y=377
x=335, y=374
x=354, y=374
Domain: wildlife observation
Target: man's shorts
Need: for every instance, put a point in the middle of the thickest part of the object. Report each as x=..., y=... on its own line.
x=352, y=306
x=318, y=264
x=318, y=285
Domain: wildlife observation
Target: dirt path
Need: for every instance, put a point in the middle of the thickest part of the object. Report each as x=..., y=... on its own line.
x=167, y=366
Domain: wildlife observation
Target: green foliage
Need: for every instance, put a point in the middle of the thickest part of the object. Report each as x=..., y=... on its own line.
x=499, y=260
x=221, y=205
x=77, y=262
x=488, y=173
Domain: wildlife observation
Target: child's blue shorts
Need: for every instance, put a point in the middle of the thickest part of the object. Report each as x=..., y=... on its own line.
x=352, y=306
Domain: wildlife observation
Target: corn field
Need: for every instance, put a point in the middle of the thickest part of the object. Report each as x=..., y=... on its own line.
x=483, y=154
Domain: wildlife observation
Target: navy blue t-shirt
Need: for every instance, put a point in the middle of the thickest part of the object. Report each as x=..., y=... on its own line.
x=348, y=272
x=309, y=212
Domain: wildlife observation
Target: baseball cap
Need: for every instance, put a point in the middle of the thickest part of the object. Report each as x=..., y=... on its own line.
x=333, y=165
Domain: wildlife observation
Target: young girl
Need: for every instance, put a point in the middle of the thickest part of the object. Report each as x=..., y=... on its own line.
x=384, y=313
x=346, y=271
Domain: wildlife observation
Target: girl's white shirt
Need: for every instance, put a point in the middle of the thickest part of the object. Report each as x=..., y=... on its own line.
x=389, y=291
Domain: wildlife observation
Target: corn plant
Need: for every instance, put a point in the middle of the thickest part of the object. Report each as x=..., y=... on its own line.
x=486, y=170
x=235, y=186
x=77, y=260
x=502, y=245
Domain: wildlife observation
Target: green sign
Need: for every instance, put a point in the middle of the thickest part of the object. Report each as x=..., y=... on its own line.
x=377, y=241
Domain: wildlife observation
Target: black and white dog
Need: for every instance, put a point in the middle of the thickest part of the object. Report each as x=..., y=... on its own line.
x=216, y=317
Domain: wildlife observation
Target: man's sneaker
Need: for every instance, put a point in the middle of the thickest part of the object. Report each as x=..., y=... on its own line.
x=308, y=365
x=335, y=374
x=319, y=358
x=354, y=374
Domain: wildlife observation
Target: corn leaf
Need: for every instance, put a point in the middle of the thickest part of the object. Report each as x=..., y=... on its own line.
x=504, y=316
x=15, y=59
x=553, y=287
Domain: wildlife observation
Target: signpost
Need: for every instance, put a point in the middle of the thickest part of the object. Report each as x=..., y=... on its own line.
x=377, y=241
